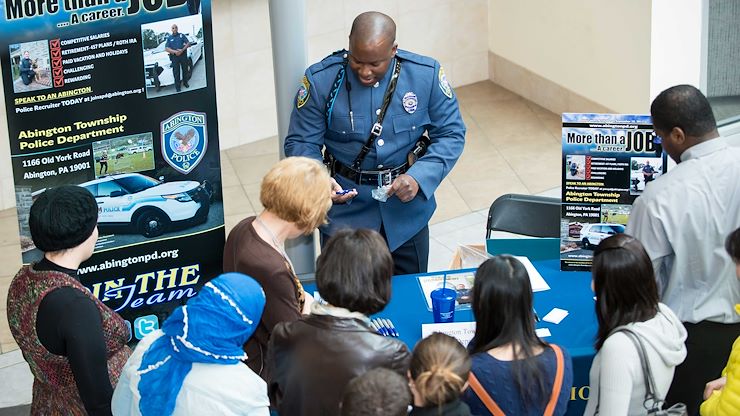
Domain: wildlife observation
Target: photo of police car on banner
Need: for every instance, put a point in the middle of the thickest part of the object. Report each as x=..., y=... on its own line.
x=135, y=203
x=370, y=107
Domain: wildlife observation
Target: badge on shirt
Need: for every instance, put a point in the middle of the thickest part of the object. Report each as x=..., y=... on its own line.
x=410, y=102
x=303, y=93
x=443, y=84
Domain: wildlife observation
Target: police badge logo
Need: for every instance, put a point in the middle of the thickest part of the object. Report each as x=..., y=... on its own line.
x=303, y=93
x=443, y=84
x=184, y=140
x=410, y=101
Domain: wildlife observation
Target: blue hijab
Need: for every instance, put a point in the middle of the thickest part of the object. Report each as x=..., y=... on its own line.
x=211, y=328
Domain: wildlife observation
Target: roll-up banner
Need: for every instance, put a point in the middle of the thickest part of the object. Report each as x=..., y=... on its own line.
x=608, y=161
x=119, y=97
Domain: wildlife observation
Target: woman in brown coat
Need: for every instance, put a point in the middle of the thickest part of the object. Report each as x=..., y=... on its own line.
x=296, y=195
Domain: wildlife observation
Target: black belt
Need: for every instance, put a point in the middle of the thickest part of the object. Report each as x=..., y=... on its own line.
x=369, y=177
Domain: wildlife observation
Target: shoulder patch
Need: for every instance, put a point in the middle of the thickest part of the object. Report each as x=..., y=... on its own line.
x=303, y=93
x=443, y=84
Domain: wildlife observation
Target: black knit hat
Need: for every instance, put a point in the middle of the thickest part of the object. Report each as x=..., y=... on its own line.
x=62, y=218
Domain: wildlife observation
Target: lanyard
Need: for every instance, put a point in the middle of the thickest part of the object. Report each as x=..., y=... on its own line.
x=378, y=126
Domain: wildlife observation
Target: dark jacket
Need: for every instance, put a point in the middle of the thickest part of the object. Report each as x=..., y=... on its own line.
x=316, y=356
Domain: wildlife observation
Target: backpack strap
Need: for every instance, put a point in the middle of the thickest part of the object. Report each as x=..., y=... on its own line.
x=557, y=384
x=484, y=396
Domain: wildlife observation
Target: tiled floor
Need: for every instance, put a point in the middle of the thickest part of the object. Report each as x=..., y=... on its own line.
x=513, y=146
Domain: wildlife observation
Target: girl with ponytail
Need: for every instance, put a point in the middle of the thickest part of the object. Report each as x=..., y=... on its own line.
x=437, y=375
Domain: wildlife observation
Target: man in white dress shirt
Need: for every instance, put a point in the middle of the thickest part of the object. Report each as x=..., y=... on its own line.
x=683, y=219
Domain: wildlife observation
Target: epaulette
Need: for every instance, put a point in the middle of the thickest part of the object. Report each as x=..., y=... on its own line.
x=331, y=60
x=415, y=58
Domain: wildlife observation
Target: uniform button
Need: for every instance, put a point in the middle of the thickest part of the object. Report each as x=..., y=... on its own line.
x=380, y=166
x=377, y=112
x=413, y=127
x=376, y=85
x=381, y=142
x=344, y=132
x=344, y=56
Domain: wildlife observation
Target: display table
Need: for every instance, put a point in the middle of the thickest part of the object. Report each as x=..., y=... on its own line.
x=568, y=290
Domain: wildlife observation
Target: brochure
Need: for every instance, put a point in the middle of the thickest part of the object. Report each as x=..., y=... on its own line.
x=462, y=282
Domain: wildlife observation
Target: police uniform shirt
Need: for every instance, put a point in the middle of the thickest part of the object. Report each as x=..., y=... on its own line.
x=177, y=41
x=422, y=100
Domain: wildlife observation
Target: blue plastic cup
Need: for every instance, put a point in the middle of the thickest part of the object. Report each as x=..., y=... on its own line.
x=443, y=304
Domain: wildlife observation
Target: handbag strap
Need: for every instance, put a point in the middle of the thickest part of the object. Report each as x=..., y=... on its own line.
x=484, y=396
x=557, y=383
x=556, y=387
x=646, y=372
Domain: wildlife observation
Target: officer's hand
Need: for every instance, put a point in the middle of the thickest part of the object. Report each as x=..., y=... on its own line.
x=404, y=187
x=338, y=195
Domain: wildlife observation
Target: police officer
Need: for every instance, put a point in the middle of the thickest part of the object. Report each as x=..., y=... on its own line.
x=378, y=96
x=177, y=45
x=27, y=72
x=648, y=172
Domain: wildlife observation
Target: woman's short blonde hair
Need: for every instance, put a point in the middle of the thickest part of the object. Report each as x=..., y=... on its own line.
x=298, y=190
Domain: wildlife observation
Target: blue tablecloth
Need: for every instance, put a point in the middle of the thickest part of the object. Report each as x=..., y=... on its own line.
x=568, y=290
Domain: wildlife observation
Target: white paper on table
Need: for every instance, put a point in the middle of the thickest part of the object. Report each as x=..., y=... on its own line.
x=542, y=332
x=555, y=315
x=461, y=331
x=535, y=278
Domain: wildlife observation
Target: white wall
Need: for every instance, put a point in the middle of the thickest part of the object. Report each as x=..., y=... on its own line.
x=599, y=49
x=453, y=31
x=677, y=40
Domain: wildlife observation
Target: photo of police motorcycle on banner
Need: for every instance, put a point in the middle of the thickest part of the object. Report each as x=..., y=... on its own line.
x=83, y=111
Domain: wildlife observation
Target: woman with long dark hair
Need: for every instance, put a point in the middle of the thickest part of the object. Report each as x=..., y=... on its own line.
x=513, y=370
x=627, y=298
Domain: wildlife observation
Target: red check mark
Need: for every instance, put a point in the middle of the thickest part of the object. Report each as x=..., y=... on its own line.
x=54, y=43
x=56, y=62
x=56, y=53
x=58, y=82
x=58, y=72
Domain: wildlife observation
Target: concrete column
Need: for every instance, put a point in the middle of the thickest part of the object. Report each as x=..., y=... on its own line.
x=288, y=30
